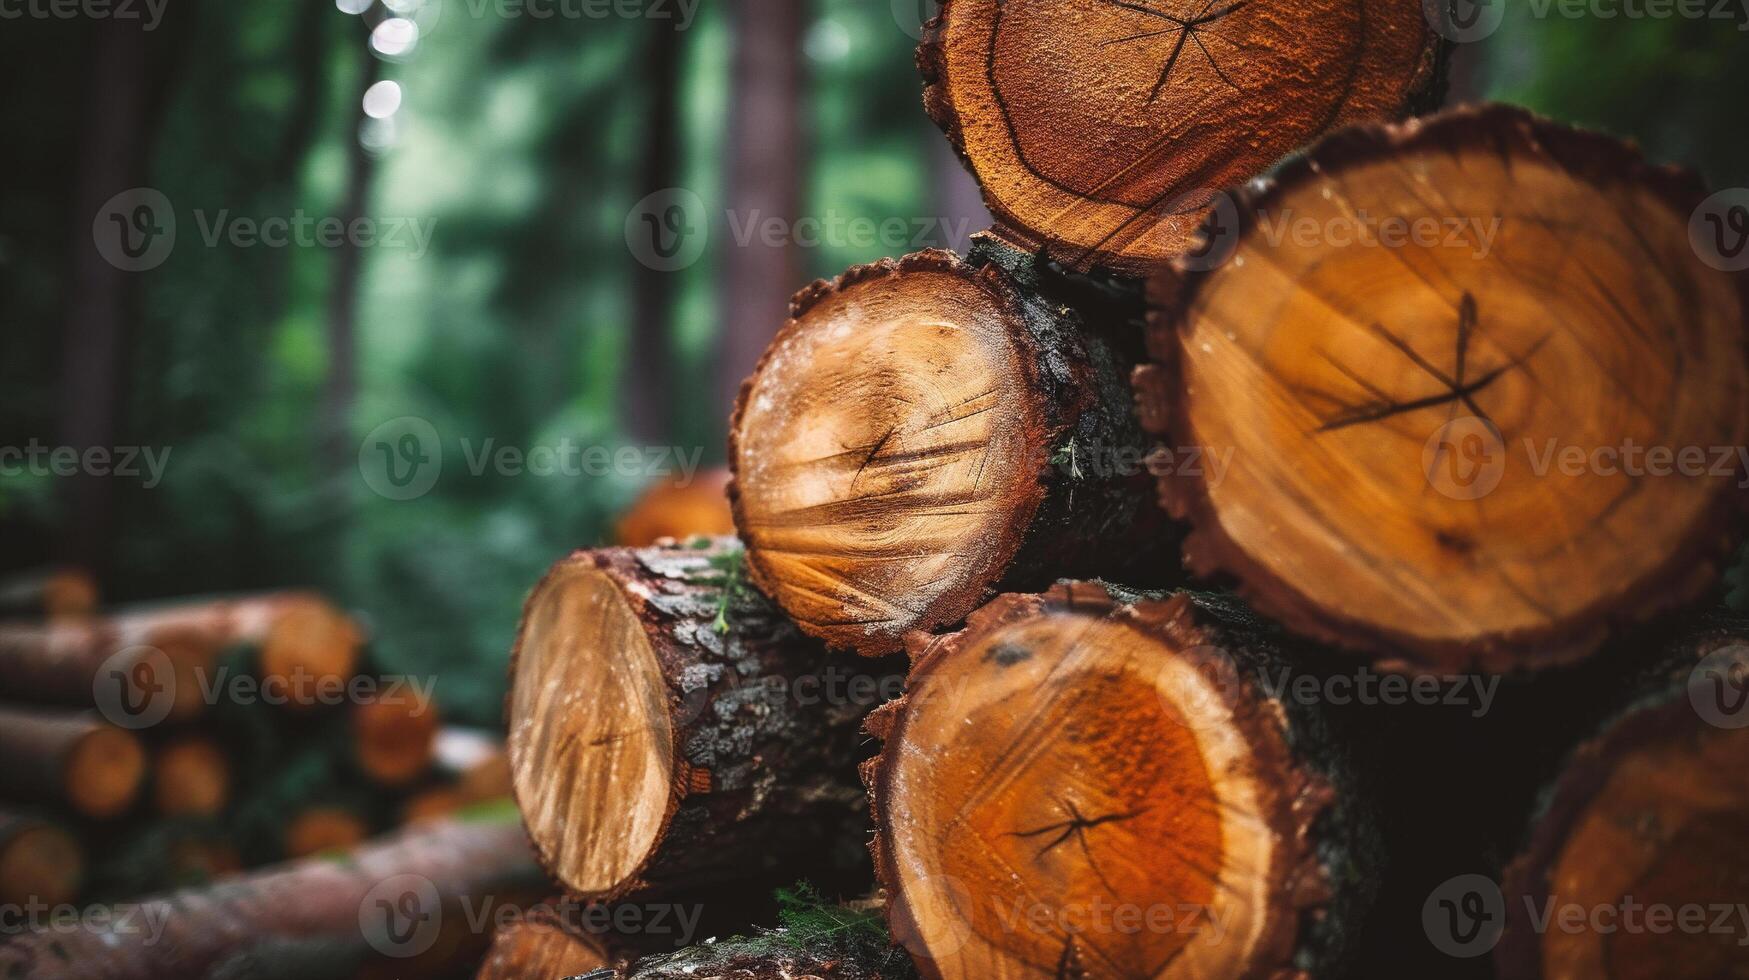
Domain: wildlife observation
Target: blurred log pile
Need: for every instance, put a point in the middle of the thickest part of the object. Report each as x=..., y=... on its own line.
x=170, y=745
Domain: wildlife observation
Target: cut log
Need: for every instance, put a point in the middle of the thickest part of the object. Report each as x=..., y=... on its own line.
x=191, y=777
x=124, y=661
x=392, y=910
x=541, y=944
x=1100, y=128
x=1477, y=387
x=395, y=736
x=1646, y=823
x=58, y=593
x=307, y=647
x=128, y=659
x=925, y=431
x=39, y=862
x=678, y=508
x=1092, y=783
x=78, y=761
x=656, y=737
x=324, y=829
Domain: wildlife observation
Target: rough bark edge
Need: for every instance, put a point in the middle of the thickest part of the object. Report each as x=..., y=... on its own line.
x=989, y=278
x=1591, y=157
x=591, y=561
x=624, y=564
x=1659, y=707
x=1301, y=887
x=1425, y=92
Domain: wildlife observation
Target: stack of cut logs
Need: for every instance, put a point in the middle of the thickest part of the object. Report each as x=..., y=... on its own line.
x=1191, y=509
x=1347, y=394
x=171, y=744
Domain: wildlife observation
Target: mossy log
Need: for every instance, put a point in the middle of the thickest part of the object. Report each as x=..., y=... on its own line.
x=668, y=729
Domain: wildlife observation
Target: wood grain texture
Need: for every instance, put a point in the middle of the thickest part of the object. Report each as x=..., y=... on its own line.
x=1099, y=129
x=1093, y=749
x=925, y=431
x=1403, y=416
x=1648, y=810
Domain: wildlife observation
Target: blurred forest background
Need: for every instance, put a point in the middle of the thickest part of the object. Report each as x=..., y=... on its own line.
x=524, y=143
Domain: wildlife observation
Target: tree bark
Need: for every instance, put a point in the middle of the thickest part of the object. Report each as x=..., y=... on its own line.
x=669, y=729
x=394, y=909
x=76, y=761
x=925, y=431
x=1403, y=416
x=775, y=956
x=1102, y=138
x=1094, y=748
x=1647, y=809
x=764, y=182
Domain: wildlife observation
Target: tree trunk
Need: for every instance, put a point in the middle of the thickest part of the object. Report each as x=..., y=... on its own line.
x=541, y=944
x=1087, y=758
x=39, y=862
x=1434, y=440
x=764, y=182
x=341, y=390
x=99, y=293
x=404, y=908
x=77, y=761
x=647, y=385
x=668, y=728
x=1645, y=820
x=924, y=431
x=1102, y=138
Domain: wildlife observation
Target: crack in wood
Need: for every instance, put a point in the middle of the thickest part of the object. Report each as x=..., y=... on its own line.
x=1459, y=388
x=1189, y=31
